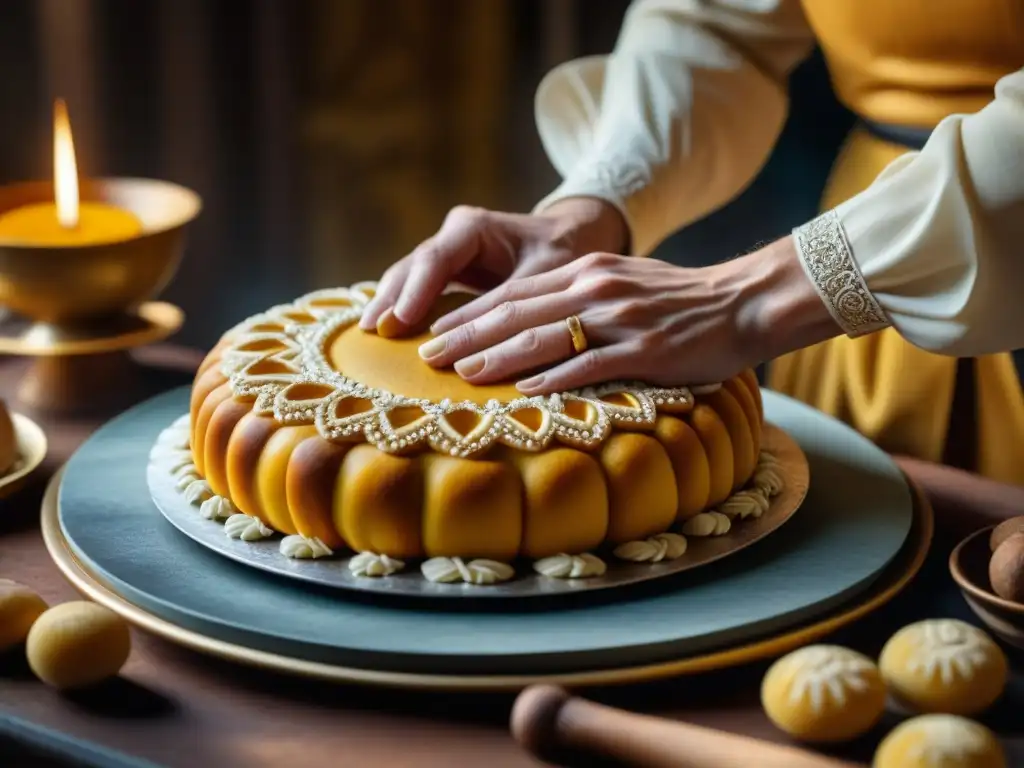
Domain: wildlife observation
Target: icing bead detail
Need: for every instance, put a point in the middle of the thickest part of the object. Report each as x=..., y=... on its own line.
x=217, y=508
x=564, y=566
x=197, y=492
x=373, y=565
x=707, y=524
x=303, y=548
x=663, y=546
x=246, y=528
x=300, y=350
x=446, y=570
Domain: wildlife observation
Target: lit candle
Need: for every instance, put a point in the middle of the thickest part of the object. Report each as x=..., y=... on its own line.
x=67, y=220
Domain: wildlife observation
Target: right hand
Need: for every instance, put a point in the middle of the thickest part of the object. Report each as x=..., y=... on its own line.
x=482, y=249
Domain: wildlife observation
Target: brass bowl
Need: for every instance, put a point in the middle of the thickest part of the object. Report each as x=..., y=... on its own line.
x=968, y=565
x=72, y=284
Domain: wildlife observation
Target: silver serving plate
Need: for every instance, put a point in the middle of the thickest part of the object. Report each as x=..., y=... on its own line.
x=333, y=571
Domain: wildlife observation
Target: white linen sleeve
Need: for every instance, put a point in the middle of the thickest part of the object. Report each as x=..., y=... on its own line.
x=681, y=117
x=935, y=247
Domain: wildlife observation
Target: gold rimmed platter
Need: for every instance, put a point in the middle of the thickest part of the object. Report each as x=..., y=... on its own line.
x=895, y=577
x=853, y=524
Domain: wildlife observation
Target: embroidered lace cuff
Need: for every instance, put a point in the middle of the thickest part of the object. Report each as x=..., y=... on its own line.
x=828, y=261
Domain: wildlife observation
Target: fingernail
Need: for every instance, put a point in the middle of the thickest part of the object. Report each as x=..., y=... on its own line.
x=432, y=348
x=470, y=366
x=388, y=325
x=364, y=321
x=441, y=325
x=535, y=383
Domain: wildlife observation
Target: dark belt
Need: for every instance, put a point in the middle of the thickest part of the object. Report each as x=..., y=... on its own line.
x=914, y=138
x=909, y=136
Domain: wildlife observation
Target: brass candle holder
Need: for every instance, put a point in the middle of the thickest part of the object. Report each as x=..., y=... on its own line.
x=77, y=310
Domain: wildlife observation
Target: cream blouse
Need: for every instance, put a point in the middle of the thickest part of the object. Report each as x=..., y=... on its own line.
x=681, y=117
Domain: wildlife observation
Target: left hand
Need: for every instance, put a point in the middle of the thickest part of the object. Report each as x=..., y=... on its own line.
x=645, y=320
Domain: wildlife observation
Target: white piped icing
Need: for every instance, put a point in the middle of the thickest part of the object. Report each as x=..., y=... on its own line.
x=565, y=566
x=446, y=570
x=662, y=546
x=373, y=565
x=768, y=479
x=217, y=508
x=183, y=470
x=949, y=648
x=825, y=674
x=246, y=528
x=182, y=422
x=186, y=476
x=948, y=740
x=197, y=492
x=304, y=548
x=743, y=504
x=174, y=438
x=707, y=524
x=177, y=462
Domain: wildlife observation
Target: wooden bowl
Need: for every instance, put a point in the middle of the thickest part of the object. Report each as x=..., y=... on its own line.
x=968, y=565
x=32, y=447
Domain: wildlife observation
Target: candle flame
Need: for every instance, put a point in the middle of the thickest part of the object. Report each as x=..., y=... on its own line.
x=65, y=167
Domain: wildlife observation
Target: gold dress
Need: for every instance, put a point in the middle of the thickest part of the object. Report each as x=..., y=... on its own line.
x=682, y=115
x=893, y=66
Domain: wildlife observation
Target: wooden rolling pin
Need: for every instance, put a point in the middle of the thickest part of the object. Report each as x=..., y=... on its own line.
x=554, y=726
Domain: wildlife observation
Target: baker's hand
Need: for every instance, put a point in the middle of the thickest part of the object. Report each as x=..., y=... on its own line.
x=644, y=320
x=482, y=249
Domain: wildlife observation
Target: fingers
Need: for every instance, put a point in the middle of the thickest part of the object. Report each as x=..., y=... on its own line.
x=526, y=351
x=556, y=280
x=388, y=289
x=501, y=323
x=610, y=363
x=410, y=288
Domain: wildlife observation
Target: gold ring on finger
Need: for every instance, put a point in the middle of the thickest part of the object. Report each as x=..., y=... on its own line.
x=579, y=338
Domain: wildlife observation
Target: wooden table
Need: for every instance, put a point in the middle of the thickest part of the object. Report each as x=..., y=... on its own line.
x=175, y=707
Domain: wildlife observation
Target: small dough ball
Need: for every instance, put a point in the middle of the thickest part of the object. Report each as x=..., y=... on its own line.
x=77, y=644
x=1005, y=530
x=940, y=741
x=1006, y=569
x=823, y=693
x=944, y=665
x=19, y=608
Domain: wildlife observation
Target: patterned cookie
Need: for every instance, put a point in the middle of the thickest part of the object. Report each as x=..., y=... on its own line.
x=823, y=693
x=940, y=741
x=944, y=665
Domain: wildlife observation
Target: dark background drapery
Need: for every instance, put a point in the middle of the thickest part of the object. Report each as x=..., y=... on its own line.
x=328, y=137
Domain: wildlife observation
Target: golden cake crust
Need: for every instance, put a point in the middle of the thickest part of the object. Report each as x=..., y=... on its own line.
x=280, y=425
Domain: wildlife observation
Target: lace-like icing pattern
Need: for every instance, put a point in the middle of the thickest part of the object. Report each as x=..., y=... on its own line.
x=278, y=358
x=828, y=261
